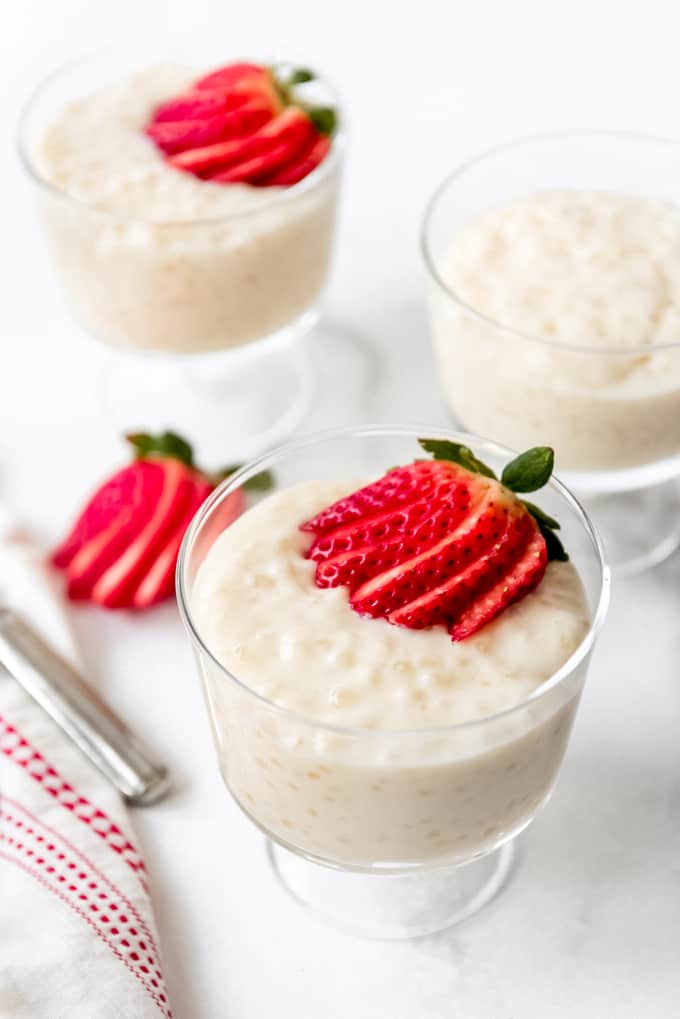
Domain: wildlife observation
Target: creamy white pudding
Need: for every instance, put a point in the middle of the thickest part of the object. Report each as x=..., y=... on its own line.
x=552, y=324
x=156, y=259
x=384, y=785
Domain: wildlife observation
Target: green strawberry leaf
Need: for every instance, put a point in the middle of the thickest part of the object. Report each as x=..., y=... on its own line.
x=553, y=544
x=261, y=482
x=324, y=118
x=300, y=76
x=444, y=449
x=526, y=473
x=167, y=444
x=541, y=516
x=529, y=471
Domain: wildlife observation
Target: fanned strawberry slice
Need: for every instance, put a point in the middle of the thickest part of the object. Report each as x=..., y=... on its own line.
x=394, y=490
x=116, y=526
x=244, y=124
x=114, y=586
x=506, y=590
x=438, y=543
x=227, y=77
x=253, y=170
x=487, y=520
x=290, y=128
x=127, y=489
x=301, y=166
x=177, y=136
x=158, y=582
x=122, y=550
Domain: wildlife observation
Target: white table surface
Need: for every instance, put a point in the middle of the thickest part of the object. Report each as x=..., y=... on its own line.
x=591, y=925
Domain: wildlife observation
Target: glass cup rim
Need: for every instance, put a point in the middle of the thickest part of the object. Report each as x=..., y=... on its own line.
x=282, y=196
x=267, y=460
x=490, y=152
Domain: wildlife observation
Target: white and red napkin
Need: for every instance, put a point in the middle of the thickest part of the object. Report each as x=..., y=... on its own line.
x=77, y=934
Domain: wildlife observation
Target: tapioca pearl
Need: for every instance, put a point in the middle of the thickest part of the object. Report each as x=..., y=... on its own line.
x=342, y=697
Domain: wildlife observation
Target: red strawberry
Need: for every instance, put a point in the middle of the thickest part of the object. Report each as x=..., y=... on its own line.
x=192, y=106
x=438, y=542
x=176, y=136
x=302, y=166
x=242, y=123
x=226, y=77
x=258, y=167
x=122, y=550
x=290, y=128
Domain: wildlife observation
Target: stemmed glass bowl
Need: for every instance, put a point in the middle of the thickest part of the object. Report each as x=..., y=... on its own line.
x=612, y=412
x=385, y=832
x=203, y=313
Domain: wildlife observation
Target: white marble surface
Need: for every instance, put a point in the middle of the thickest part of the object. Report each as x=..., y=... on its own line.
x=590, y=925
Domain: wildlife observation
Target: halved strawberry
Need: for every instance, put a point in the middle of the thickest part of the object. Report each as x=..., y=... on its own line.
x=438, y=542
x=176, y=136
x=122, y=551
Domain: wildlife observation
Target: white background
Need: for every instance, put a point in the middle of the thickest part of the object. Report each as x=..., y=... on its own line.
x=591, y=925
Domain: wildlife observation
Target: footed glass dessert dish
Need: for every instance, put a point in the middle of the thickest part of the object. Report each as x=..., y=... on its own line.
x=390, y=767
x=189, y=208
x=553, y=284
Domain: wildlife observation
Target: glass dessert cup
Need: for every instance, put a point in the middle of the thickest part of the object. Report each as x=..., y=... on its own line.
x=204, y=314
x=611, y=413
x=383, y=832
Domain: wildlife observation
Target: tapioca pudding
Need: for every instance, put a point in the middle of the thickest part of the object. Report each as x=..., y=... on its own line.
x=364, y=742
x=553, y=319
x=153, y=258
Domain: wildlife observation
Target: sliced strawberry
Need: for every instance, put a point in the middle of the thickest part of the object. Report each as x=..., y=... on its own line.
x=289, y=127
x=244, y=124
x=122, y=550
x=226, y=77
x=354, y=553
x=127, y=488
x=192, y=106
x=177, y=136
x=526, y=575
x=436, y=543
x=302, y=166
x=394, y=490
x=252, y=171
x=484, y=524
x=158, y=581
x=115, y=585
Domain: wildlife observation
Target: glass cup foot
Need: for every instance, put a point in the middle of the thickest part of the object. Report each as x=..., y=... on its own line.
x=639, y=528
x=393, y=905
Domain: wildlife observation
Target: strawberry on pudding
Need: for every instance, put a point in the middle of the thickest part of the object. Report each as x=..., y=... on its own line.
x=388, y=630
x=190, y=212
